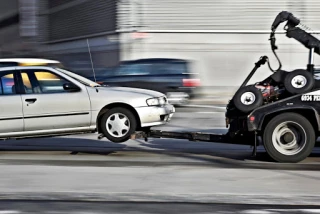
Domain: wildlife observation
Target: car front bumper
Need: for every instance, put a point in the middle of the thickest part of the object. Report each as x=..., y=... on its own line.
x=155, y=115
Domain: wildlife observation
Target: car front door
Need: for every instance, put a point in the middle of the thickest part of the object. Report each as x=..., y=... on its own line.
x=48, y=106
x=11, y=116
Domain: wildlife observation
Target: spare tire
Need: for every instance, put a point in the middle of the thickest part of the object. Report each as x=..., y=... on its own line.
x=299, y=82
x=248, y=98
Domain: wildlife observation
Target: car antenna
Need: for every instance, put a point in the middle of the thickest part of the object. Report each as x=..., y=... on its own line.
x=94, y=74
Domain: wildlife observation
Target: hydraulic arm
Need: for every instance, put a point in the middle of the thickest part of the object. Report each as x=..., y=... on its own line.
x=294, y=29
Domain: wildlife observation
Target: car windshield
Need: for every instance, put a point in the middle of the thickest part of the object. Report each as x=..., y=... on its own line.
x=79, y=78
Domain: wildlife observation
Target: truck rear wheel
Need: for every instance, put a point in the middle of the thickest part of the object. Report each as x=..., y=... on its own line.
x=289, y=138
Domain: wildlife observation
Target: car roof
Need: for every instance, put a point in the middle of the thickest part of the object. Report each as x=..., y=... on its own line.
x=24, y=68
x=29, y=60
x=153, y=60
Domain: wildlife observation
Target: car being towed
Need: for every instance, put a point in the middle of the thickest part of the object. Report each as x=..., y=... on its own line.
x=45, y=101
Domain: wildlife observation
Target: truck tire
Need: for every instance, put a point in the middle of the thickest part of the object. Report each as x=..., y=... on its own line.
x=248, y=98
x=299, y=82
x=117, y=124
x=289, y=138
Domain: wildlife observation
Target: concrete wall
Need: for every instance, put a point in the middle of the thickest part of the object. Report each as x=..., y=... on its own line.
x=222, y=59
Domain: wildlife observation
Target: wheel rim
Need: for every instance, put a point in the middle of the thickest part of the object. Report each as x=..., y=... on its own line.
x=248, y=98
x=299, y=81
x=118, y=125
x=289, y=138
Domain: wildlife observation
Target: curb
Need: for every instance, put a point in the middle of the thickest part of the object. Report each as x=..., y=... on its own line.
x=162, y=198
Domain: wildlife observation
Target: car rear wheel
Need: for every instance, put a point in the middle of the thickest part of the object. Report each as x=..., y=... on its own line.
x=289, y=138
x=118, y=124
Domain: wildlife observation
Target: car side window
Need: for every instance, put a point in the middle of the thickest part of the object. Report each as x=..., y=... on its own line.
x=7, y=84
x=133, y=69
x=42, y=82
x=29, y=89
x=169, y=68
x=1, y=89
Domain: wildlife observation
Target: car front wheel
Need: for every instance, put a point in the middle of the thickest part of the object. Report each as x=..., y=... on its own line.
x=118, y=124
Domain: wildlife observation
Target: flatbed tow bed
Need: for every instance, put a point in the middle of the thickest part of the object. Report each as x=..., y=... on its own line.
x=282, y=112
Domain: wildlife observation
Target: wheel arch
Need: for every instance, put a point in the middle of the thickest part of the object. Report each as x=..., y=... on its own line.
x=116, y=105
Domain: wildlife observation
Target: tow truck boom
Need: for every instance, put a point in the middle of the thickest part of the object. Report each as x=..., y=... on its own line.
x=294, y=29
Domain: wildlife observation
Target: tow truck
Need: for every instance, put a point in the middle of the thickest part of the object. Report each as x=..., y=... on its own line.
x=281, y=112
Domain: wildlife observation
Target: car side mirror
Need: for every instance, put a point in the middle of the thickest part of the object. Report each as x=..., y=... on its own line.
x=70, y=87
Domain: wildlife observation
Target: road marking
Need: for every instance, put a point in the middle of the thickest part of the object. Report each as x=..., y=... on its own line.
x=205, y=106
x=208, y=112
x=309, y=210
x=274, y=211
x=258, y=212
x=9, y=212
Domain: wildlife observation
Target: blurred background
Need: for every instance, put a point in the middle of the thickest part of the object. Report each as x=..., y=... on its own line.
x=202, y=49
x=198, y=49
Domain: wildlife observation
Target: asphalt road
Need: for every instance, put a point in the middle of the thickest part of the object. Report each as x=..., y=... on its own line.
x=224, y=176
x=45, y=207
x=209, y=119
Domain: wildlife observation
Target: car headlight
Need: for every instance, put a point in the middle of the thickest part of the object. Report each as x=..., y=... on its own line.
x=159, y=101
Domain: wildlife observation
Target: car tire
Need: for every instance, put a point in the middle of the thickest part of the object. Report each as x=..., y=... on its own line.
x=118, y=124
x=299, y=81
x=289, y=138
x=248, y=98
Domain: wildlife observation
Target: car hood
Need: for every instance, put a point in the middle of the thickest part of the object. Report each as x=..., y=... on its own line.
x=103, y=96
x=136, y=91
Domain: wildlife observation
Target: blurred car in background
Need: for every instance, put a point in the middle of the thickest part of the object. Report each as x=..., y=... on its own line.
x=29, y=62
x=169, y=76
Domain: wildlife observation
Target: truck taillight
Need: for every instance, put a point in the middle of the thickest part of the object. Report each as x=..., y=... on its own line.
x=191, y=82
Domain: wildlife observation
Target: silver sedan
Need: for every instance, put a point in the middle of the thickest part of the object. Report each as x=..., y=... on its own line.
x=42, y=101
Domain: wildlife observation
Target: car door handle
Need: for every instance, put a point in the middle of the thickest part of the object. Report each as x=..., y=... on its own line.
x=32, y=100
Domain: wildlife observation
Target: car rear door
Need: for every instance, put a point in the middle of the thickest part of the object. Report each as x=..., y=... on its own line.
x=47, y=106
x=11, y=116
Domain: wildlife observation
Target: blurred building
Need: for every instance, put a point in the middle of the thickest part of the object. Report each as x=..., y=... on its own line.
x=80, y=33
x=15, y=40
x=224, y=38
x=77, y=32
